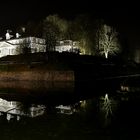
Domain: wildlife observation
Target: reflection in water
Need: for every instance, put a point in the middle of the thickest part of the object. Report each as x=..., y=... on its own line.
x=76, y=107
x=36, y=91
x=108, y=107
x=65, y=109
x=69, y=116
x=14, y=109
x=25, y=86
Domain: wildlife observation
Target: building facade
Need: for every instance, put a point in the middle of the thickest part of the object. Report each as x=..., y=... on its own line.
x=15, y=46
x=67, y=46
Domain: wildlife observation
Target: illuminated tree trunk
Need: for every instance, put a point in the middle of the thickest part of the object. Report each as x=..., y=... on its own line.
x=106, y=55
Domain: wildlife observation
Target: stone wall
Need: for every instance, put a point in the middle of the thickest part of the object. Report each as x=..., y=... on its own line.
x=37, y=76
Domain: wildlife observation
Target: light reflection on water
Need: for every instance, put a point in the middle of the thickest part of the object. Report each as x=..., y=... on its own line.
x=57, y=111
x=14, y=109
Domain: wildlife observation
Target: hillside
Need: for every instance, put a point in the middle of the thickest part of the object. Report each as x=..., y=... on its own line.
x=80, y=67
x=35, y=67
x=38, y=61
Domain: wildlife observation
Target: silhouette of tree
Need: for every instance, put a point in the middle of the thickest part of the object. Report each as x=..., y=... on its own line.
x=54, y=29
x=80, y=29
x=23, y=47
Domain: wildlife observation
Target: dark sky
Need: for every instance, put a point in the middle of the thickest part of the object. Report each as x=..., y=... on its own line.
x=17, y=12
x=123, y=16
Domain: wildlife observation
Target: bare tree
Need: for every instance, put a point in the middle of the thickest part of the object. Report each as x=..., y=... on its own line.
x=107, y=41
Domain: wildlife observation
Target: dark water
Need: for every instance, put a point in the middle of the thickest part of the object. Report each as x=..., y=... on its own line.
x=61, y=110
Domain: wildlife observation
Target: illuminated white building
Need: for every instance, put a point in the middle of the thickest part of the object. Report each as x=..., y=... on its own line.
x=15, y=46
x=67, y=46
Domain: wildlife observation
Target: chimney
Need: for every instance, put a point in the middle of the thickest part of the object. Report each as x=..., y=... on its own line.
x=17, y=35
x=7, y=35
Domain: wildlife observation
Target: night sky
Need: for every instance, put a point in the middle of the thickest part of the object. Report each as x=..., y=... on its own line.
x=124, y=17
x=20, y=12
